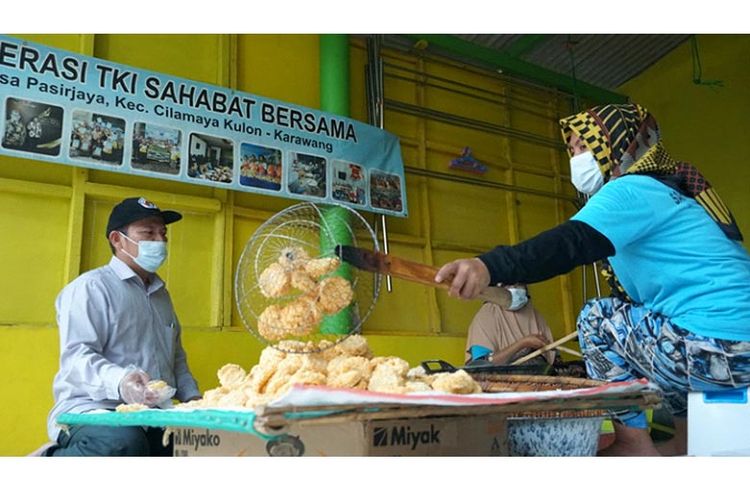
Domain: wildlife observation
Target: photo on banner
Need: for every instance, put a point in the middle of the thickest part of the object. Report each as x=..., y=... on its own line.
x=156, y=148
x=349, y=182
x=385, y=191
x=211, y=158
x=33, y=127
x=307, y=175
x=261, y=167
x=98, y=138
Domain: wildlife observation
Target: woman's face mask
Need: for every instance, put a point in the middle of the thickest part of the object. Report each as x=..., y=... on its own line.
x=585, y=174
x=151, y=254
x=519, y=298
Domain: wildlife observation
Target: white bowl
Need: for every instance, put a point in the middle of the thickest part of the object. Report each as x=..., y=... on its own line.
x=554, y=437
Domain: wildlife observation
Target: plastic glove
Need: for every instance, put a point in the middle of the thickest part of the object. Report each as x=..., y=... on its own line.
x=134, y=389
x=163, y=393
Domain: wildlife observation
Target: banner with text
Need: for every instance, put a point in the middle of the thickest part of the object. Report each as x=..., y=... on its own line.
x=63, y=107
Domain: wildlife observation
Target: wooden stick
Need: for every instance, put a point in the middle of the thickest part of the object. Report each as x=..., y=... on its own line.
x=546, y=348
x=569, y=351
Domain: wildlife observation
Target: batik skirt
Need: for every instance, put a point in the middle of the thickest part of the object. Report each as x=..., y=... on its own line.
x=624, y=341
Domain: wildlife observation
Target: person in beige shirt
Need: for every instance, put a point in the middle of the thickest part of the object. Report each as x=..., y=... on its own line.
x=500, y=336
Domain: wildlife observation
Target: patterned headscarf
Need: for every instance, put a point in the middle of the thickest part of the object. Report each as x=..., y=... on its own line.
x=625, y=140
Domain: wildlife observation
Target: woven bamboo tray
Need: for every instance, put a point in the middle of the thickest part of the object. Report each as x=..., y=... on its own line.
x=579, y=406
x=531, y=383
x=534, y=383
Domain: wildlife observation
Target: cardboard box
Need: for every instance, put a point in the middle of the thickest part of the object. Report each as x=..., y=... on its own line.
x=484, y=435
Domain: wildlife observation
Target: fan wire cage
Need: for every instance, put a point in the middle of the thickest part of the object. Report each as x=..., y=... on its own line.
x=312, y=231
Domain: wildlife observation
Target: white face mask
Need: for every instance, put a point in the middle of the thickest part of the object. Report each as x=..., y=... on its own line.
x=519, y=298
x=151, y=254
x=585, y=173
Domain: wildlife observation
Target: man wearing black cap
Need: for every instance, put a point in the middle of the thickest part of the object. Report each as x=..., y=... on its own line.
x=118, y=331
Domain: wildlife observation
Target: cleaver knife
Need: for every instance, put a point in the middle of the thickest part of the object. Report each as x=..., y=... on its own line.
x=378, y=262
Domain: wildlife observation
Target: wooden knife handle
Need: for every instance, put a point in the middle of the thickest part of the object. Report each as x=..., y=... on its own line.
x=424, y=274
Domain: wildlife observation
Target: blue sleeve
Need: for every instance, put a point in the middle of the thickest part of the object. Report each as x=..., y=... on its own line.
x=619, y=212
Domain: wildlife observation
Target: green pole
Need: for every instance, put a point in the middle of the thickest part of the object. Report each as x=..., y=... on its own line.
x=334, y=98
x=334, y=74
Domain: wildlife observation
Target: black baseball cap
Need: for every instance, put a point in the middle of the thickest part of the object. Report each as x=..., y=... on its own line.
x=130, y=210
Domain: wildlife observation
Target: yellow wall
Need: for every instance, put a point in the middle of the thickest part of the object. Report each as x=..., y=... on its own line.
x=705, y=126
x=449, y=220
x=52, y=216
